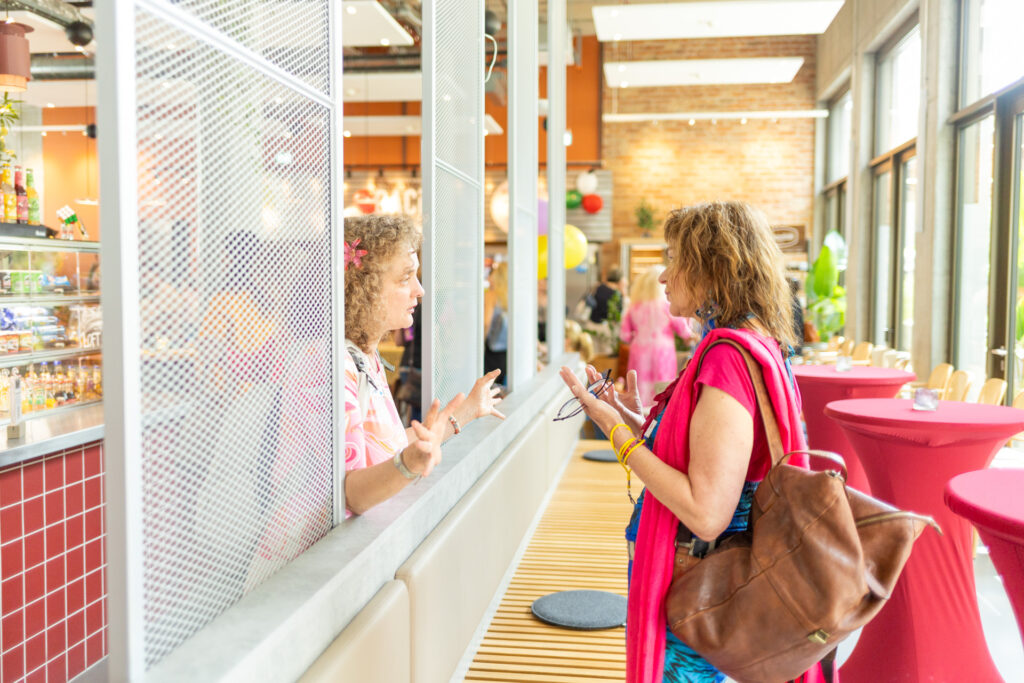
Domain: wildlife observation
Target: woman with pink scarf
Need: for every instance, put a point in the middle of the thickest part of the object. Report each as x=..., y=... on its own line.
x=702, y=451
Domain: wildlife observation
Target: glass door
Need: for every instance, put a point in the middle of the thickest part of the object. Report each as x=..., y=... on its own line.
x=1016, y=323
x=881, y=285
x=907, y=203
x=975, y=177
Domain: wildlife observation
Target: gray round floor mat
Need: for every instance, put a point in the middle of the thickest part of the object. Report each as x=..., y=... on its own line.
x=605, y=455
x=583, y=610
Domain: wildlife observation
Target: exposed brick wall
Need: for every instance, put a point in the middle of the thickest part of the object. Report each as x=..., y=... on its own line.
x=766, y=163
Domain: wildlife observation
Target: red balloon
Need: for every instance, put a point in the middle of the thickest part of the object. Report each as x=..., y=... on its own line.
x=365, y=201
x=592, y=203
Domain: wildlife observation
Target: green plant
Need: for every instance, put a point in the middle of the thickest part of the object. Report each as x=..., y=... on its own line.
x=644, y=217
x=826, y=299
x=9, y=115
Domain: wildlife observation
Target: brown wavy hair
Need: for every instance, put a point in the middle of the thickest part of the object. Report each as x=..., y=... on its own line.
x=726, y=254
x=383, y=237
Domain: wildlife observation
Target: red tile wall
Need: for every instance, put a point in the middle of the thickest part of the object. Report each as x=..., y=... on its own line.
x=52, y=566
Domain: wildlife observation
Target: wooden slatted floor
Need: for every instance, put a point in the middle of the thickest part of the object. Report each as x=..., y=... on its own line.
x=578, y=544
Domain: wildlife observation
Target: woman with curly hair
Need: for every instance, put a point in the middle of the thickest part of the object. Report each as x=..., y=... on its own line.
x=381, y=293
x=702, y=450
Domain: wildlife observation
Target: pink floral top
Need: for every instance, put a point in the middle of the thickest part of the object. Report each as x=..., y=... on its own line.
x=373, y=434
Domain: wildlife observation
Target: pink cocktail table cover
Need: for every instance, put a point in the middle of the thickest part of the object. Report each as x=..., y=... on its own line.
x=993, y=500
x=822, y=384
x=931, y=629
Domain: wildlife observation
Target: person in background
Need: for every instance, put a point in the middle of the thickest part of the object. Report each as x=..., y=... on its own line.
x=578, y=341
x=381, y=293
x=798, y=316
x=650, y=329
x=496, y=321
x=702, y=450
x=608, y=291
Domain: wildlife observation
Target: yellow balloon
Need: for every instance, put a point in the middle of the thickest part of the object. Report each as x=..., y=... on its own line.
x=575, y=246
x=575, y=250
x=542, y=257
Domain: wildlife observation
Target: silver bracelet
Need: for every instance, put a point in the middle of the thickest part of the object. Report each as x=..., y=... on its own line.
x=400, y=465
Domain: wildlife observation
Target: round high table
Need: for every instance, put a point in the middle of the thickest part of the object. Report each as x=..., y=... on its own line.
x=993, y=500
x=822, y=384
x=930, y=630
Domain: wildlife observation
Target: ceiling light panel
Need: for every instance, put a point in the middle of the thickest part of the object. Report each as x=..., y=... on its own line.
x=390, y=126
x=713, y=19
x=384, y=86
x=366, y=24
x=701, y=71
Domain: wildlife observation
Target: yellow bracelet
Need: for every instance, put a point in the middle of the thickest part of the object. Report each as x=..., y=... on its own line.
x=623, y=447
x=611, y=435
x=625, y=458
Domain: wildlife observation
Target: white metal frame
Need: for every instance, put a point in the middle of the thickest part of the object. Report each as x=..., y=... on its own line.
x=556, y=180
x=338, y=256
x=523, y=91
x=116, y=114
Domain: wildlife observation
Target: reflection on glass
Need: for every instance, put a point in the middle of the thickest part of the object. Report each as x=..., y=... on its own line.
x=974, y=218
x=882, y=278
x=839, y=131
x=899, y=93
x=831, y=202
x=908, y=215
x=991, y=38
x=1017, y=317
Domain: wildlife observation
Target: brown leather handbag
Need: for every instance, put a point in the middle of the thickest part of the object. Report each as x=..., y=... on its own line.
x=818, y=562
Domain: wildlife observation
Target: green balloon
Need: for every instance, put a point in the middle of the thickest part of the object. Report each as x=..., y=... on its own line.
x=573, y=199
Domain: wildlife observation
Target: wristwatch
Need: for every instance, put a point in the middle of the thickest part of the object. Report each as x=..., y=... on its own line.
x=400, y=465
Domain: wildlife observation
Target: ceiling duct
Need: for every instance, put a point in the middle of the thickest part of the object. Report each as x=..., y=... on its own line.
x=67, y=67
x=57, y=11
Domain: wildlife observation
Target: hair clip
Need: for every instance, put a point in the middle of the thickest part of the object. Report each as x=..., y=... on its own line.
x=354, y=256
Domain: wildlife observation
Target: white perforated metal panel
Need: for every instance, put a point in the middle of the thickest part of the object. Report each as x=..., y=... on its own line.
x=231, y=308
x=453, y=194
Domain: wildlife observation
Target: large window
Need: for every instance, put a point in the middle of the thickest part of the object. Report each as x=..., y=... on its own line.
x=991, y=57
x=839, y=130
x=988, y=330
x=974, y=243
x=897, y=105
x=898, y=92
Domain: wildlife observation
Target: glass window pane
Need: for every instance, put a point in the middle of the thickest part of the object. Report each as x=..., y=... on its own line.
x=839, y=116
x=1017, y=319
x=974, y=219
x=898, y=94
x=908, y=216
x=831, y=200
x=882, y=276
x=991, y=47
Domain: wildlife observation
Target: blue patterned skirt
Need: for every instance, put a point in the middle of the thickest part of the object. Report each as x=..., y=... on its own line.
x=683, y=664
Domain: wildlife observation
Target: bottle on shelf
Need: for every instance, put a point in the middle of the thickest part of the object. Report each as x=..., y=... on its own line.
x=28, y=390
x=5, y=391
x=60, y=397
x=21, y=196
x=80, y=383
x=97, y=381
x=33, y=197
x=44, y=393
x=9, y=194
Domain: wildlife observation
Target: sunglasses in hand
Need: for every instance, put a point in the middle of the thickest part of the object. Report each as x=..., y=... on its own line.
x=573, y=407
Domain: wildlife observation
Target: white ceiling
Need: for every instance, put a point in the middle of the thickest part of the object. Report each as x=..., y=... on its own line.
x=367, y=24
x=384, y=86
x=46, y=36
x=662, y=21
x=701, y=71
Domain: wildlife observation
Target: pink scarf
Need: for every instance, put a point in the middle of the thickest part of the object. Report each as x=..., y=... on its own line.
x=655, y=547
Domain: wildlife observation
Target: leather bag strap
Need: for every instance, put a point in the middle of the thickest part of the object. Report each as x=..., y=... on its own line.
x=771, y=426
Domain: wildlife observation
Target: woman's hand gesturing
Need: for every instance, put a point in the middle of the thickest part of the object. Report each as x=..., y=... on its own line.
x=626, y=402
x=597, y=409
x=482, y=399
x=424, y=452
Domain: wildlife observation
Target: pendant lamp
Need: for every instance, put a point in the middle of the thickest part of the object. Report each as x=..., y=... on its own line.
x=14, y=57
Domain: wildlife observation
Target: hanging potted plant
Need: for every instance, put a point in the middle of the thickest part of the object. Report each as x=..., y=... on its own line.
x=645, y=217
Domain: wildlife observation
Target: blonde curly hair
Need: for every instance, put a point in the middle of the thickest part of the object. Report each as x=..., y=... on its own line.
x=725, y=252
x=383, y=237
